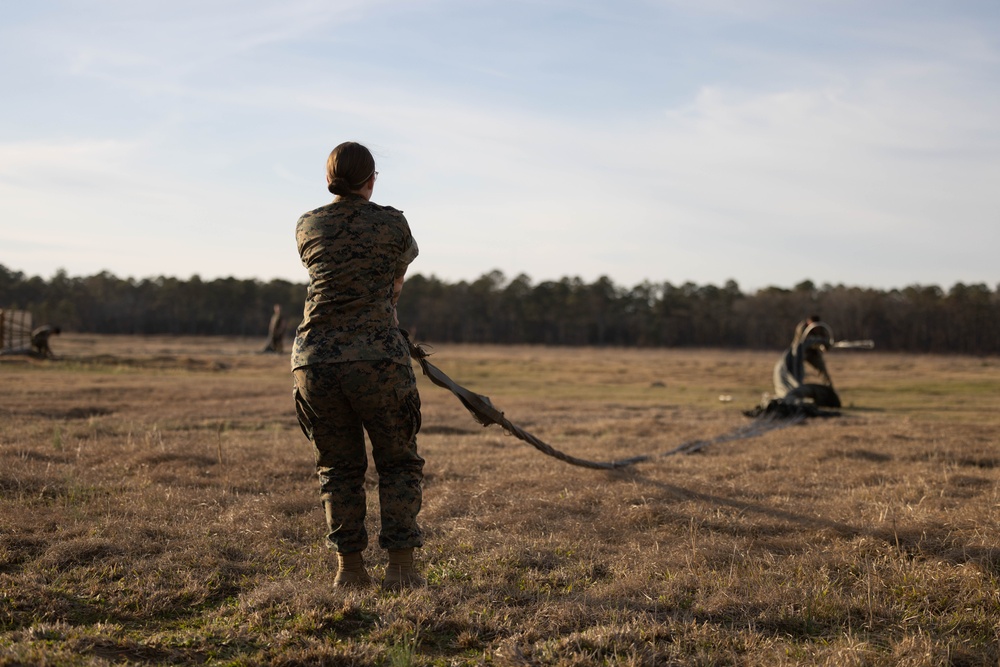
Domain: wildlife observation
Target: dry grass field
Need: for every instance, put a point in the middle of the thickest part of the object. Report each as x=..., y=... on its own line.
x=158, y=505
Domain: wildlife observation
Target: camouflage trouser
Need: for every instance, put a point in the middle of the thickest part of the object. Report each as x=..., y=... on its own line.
x=335, y=403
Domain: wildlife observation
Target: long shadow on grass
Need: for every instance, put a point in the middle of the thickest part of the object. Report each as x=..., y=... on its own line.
x=910, y=542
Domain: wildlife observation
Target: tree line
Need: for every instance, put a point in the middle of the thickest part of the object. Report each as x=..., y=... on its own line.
x=494, y=309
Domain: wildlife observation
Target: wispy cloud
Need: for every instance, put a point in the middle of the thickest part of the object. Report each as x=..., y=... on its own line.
x=767, y=142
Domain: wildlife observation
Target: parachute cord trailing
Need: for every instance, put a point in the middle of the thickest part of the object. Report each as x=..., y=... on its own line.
x=759, y=426
x=485, y=413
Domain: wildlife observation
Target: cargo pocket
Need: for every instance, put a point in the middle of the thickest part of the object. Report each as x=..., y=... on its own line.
x=409, y=398
x=302, y=413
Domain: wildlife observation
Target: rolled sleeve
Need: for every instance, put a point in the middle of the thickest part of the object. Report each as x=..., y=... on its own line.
x=410, y=252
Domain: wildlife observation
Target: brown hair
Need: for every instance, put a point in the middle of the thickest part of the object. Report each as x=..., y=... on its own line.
x=349, y=166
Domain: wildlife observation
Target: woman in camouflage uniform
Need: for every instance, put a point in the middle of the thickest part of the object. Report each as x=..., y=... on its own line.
x=352, y=369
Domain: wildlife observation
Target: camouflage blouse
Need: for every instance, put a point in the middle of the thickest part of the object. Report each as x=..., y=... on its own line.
x=353, y=250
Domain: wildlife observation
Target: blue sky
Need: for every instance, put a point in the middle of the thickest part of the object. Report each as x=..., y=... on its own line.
x=764, y=141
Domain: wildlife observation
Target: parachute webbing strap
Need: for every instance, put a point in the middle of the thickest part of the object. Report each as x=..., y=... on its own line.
x=759, y=426
x=484, y=412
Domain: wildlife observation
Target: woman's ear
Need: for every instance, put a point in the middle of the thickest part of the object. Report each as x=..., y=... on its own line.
x=368, y=188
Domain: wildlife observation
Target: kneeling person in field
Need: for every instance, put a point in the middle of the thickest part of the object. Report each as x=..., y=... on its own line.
x=812, y=338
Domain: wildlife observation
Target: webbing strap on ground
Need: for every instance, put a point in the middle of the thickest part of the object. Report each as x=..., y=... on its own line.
x=484, y=412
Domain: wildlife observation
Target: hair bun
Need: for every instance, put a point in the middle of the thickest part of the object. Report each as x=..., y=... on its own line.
x=339, y=186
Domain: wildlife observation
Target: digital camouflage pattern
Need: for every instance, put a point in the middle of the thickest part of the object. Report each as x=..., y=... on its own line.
x=351, y=366
x=335, y=403
x=353, y=250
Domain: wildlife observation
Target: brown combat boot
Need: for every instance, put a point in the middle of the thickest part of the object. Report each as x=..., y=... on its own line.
x=400, y=573
x=351, y=571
